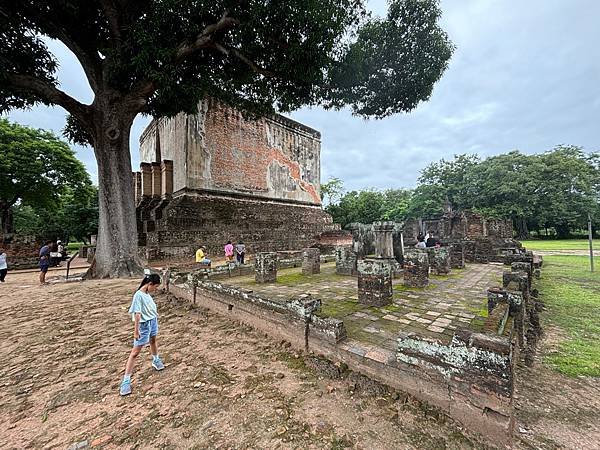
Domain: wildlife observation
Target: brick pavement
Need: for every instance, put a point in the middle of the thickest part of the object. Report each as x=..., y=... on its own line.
x=457, y=300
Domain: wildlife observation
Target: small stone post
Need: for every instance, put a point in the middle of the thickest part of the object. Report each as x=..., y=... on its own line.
x=374, y=282
x=384, y=243
x=265, y=267
x=457, y=255
x=416, y=269
x=439, y=259
x=345, y=261
x=311, y=261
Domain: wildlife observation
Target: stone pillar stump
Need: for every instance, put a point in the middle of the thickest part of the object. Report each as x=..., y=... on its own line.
x=311, y=261
x=374, y=282
x=416, y=269
x=384, y=241
x=345, y=261
x=439, y=260
x=457, y=255
x=265, y=267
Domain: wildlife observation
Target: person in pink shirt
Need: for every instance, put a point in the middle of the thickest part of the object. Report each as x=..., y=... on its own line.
x=229, y=251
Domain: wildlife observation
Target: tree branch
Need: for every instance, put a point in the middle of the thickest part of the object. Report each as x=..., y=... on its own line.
x=203, y=40
x=228, y=51
x=91, y=65
x=51, y=94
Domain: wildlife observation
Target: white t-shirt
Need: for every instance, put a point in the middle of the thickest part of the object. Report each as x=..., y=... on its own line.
x=144, y=304
x=3, y=264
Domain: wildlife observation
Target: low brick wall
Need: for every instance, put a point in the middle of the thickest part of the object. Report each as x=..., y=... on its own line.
x=469, y=378
x=21, y=251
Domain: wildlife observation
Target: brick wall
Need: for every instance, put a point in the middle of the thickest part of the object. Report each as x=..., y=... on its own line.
x=219, y=150
x=21, y=251
x=193, y=219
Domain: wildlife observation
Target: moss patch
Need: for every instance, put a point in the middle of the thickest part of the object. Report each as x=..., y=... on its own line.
x=339, y=308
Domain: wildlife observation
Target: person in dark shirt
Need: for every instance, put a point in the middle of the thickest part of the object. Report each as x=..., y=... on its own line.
x=240, y=252
x=44, y=261
x=431, y=241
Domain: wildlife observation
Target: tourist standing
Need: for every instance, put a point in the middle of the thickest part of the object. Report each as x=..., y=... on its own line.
x=3, y=266
x=145, y=319
x=229, y=251
x=201, y=256
x=240, y=252
x=44, y=261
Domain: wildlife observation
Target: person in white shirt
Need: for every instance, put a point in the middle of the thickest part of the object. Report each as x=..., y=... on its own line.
x=3, y=266
x=420, y=244
x=145, y=318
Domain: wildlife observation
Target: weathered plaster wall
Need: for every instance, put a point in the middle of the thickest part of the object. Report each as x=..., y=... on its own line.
x=218, y=149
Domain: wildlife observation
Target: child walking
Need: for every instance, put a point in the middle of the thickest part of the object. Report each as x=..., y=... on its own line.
x=145, y=318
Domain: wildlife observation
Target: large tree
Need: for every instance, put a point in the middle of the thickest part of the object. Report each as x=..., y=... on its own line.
x=569, y=189
x=442, y=183
x=36, y=167
x=160, y=57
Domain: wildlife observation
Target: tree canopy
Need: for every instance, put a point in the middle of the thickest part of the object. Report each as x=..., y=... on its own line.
x=36, y=168
x=556, y=189
x=368, y=206
x=160, y=57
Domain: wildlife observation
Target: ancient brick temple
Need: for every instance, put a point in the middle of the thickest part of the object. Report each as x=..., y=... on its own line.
x=483, y=239
x=217, y=176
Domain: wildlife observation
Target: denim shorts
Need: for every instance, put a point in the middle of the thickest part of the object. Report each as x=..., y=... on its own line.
x=148, y=329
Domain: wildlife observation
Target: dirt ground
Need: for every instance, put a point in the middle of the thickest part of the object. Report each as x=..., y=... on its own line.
x=553, y=410
x=63, y=348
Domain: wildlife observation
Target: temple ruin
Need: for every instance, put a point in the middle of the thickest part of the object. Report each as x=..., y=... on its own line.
x=446, y=325
x=215, y=176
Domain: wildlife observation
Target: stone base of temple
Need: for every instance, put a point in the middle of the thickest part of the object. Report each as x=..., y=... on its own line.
x=177, y=226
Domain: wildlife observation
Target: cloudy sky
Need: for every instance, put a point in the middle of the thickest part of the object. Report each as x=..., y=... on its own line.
x=525, y=75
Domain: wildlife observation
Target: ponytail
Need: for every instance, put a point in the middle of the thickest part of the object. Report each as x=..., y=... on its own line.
x=152, y=278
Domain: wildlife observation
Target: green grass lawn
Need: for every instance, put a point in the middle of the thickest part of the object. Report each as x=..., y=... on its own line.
x=74, y=246
x=564, y=244
x=572, y=295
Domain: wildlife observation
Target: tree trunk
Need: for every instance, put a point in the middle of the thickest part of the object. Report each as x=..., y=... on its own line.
x=522, y=230
x=6, y=218
x=562, y=231
x=116, y=247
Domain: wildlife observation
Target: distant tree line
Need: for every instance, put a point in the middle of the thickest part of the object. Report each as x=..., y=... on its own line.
x=45, y=190
x=551, y=192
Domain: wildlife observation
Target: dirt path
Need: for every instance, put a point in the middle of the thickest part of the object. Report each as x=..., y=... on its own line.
x=553, y=410
x=62, y=350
